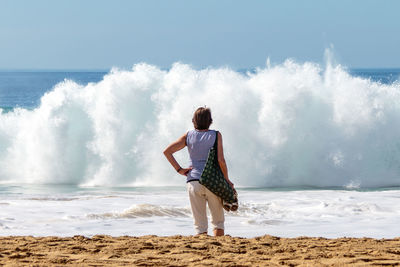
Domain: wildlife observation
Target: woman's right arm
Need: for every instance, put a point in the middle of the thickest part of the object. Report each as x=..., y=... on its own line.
x=221, y=159
x=171, y=149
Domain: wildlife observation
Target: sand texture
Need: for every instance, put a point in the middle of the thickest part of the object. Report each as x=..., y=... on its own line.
x=197, y=251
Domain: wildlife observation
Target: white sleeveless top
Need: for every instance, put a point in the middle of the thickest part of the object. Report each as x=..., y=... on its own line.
x=199, y=144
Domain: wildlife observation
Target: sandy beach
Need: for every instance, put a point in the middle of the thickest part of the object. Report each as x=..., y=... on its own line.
x=103, y=250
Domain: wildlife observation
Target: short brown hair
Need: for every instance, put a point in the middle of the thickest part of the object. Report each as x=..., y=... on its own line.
x=202, y=118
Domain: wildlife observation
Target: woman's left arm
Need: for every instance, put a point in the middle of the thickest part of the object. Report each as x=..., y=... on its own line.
x=171, y=149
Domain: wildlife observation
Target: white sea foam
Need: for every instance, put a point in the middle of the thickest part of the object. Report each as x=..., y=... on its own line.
x=327, y=213
x=353, y=184
x=286, y=125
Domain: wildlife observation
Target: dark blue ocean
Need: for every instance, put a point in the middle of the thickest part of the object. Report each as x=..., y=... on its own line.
x=25, y=88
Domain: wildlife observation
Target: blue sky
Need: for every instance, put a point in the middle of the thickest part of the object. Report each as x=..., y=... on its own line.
x=96, y=34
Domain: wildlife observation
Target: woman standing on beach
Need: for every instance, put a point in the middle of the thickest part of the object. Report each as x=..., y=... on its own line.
x=199, y=141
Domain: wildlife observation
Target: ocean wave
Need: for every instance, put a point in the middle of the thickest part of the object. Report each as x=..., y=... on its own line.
x=144, y=211
x=287, y=125
x=53, y=198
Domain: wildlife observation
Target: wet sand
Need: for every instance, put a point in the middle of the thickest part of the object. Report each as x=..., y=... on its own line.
x=197, y=251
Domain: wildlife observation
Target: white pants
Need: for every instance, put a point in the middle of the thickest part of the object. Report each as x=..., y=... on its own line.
x=199, y=195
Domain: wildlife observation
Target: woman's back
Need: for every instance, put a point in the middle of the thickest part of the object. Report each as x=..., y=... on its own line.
x=199, y=144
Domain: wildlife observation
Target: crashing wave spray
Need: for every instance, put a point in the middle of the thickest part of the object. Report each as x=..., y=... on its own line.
x=287, y=125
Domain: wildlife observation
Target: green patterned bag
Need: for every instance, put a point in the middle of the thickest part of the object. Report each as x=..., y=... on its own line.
x=213, y=178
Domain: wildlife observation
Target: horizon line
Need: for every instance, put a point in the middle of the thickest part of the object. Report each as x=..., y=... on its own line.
x=109, y=69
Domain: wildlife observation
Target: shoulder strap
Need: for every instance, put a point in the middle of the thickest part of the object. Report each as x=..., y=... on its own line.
x=216, y=140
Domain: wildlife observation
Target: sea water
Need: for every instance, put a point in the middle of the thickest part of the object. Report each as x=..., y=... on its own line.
x=313, y=150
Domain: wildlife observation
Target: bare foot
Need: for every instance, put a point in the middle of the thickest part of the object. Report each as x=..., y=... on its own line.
x=219, y=232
